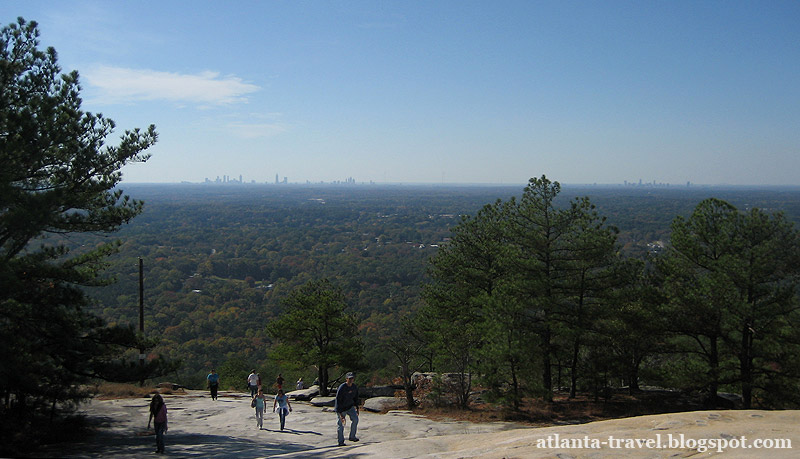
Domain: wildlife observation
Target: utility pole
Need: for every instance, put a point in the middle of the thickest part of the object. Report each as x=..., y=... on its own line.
x=141, y=317
x=141, y=295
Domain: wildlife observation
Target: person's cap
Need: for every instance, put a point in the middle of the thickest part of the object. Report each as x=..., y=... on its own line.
x=350, y=375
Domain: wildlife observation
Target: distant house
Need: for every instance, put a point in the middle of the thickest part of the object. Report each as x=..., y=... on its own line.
x=655, y=247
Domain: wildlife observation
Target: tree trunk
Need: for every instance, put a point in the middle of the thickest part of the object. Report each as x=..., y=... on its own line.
x=713, y=363
x=466, y=388
x=515, y=384
x=322, y=374
x=410, y=396
x=408, y=385
x=746, y=367
x=633, y=376
x=573, y=387
x=558, y=373
x=547, y=375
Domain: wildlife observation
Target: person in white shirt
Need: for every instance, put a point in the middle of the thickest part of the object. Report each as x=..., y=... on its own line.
x=252, y=383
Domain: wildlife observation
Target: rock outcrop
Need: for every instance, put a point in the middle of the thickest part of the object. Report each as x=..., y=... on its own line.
x=304, y=394
x=383, y=404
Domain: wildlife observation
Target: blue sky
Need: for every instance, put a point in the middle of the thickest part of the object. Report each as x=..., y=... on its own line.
x=706, y=92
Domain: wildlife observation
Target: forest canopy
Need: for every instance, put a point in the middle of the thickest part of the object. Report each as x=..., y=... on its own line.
x=219, y=260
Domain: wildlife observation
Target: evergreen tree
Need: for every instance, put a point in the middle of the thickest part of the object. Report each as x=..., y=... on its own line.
x=58, y=177
x=461, y=315
x=631, y=327
x=515, y=276
x=590, y=280
x=539, y=231
x=732, y=281
x=316, y=329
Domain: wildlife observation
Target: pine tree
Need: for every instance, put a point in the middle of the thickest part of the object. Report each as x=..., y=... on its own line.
x=732, y=281
x=316, y=329
x=58, y=177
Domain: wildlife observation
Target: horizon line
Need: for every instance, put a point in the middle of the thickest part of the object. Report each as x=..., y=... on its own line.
x=649, y=185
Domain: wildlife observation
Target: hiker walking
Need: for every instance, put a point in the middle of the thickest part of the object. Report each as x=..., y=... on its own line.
x=158, y=413
x=284, y=407
x=347, y=405
x=213, y=383
x=252, y=383
x=258, y=403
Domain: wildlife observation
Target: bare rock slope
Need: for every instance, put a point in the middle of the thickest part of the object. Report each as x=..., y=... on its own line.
x=200, y=427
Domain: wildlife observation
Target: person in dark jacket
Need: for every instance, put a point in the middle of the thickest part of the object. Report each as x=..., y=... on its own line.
x=347, y=405
x=213, y=383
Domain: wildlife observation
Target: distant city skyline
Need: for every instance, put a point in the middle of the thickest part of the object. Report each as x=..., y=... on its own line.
x=224, y=179
x=451, y=91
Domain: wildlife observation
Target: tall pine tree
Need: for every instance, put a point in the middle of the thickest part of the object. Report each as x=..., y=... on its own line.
x=58, y=176
x=733, y=283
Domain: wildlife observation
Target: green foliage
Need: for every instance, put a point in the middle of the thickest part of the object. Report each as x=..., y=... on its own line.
x=316, y=329
x=732, y=281
x=631, y=327
x=200, y=242
x=58, y=177
x=408, y=348
x=520, y=277
x=528, y=275
x=540, y=231
x=233, y=373
x=374, y=242
x=467, y=275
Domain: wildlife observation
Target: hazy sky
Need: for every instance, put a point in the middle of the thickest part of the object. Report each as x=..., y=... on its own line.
x=442, y=91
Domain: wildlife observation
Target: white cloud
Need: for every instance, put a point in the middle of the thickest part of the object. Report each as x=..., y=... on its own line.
x=121, y=85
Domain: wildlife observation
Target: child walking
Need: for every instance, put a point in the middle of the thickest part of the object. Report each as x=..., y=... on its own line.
x=158, y=412
x=258, y=404
x=284, y=407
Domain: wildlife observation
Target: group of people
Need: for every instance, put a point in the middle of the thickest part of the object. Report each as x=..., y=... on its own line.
x=254, y=382
x=346, y=405
x=280, y=405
